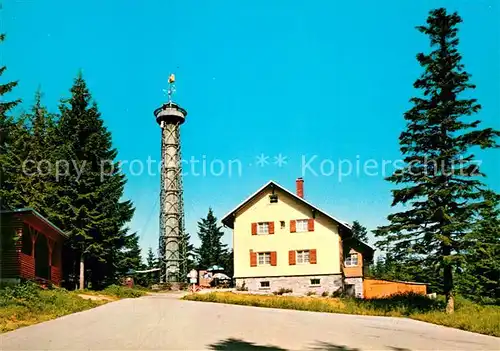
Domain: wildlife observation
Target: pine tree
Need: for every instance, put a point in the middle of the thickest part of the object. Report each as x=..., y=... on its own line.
x=129, y=257
x=442, y=189
x=212, y=250
x=480, y=277
x=359, y=232
x=36, y=182
x=151, y=263
x=7, y=153
x=90, y=207
x=187, y=254
x=151, y=260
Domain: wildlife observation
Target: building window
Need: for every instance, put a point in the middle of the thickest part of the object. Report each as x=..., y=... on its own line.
x=315, y=281
x=264, y=258
x=263, y=228
x=301, y=225
x=351, y=260
x=282, y=224
x=303, y=257
x=265, y=285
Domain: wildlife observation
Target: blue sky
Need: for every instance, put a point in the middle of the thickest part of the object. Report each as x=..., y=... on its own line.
x=324, y=78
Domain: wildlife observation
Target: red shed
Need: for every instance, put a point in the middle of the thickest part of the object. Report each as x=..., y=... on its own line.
x=30, y=247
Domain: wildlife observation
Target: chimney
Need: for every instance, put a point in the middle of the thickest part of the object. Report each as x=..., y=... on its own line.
x=300, y=187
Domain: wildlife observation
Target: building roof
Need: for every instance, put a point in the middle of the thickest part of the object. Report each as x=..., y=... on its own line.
x=33, y=212
x=228, y=219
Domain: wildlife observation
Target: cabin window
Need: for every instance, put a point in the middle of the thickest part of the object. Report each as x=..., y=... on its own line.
x=282, y=224
x=263, y=228
x=264, y=258
x=315, y=281
x=265, y=285
x=301, y=225
x=303, y=257
x=351, y=260
x=26, y=246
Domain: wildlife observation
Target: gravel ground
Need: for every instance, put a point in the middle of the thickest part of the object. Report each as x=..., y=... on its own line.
x=162, y=322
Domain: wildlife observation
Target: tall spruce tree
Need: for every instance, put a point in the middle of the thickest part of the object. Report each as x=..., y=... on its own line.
x=187, y=254
x=211, y=251
x=480, y=276
x=36, y=183
x=441, y=182
x=90, y=207
x=8, y=155
x=359, y=232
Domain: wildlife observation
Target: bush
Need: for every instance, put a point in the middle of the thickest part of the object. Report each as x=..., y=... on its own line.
x=324, y=293
x=311, y=293
x=123, y=291
x=282, y=291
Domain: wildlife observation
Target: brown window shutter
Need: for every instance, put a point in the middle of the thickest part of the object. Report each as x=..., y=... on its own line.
x=291, y=257
x=271, y=227
x=254, y=228
x=253, y=259
x=273, y=258
x=312, y=256
x=310, y=224
x=293, y=226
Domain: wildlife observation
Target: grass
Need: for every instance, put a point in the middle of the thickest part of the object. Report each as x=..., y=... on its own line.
x=117, y=291
x=468, y=316
x=28, y=304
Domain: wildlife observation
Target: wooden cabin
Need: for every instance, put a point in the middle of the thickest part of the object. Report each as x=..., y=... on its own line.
x=30, y=247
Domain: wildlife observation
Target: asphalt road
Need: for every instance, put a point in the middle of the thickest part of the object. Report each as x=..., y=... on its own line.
x=163, y=322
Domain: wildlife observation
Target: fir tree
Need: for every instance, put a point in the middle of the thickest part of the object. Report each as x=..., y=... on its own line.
x=90, y=208
x=129, y=256
x=359, y=232
x=151, y=263
x=212, y=250
x=187, y=255
x=441, y=185
x=36, y=181
x=8, y=158
x=480, y=277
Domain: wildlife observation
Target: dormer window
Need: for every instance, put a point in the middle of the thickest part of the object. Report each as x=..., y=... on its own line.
x=351, y=260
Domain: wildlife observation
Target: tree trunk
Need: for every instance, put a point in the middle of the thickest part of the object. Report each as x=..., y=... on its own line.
x=82, y=273
x=450, y=302
x=448, y=281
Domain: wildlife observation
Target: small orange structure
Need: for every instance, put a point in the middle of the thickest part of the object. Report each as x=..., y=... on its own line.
x=374, y=288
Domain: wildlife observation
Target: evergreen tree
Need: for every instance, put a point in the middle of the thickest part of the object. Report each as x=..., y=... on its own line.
x=90, y=207
x=187, y=255
x=8, y=158
x=228, y=263
x=480, y=277
x=359, y=232
x=442, y=189
x=36, y=183
x=129, y=256
x=212, y=250
x=151, y=263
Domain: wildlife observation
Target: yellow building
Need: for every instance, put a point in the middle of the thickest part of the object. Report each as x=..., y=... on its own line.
x=282, y=241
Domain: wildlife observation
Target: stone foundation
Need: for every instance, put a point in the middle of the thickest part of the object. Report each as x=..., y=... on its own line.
x=298, y=284
x=358, y=286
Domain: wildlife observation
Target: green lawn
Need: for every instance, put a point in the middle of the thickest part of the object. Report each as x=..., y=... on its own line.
x=27, y=304
x=468, y=316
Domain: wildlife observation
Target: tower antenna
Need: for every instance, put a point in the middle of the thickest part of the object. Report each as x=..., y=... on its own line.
x=172, y=254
